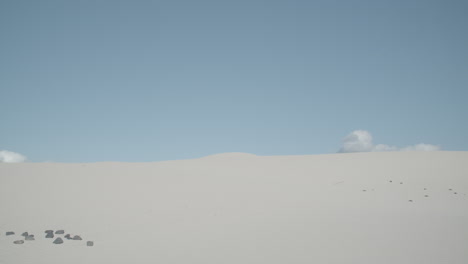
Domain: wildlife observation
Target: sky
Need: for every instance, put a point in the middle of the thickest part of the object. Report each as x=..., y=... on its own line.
x=138, y=81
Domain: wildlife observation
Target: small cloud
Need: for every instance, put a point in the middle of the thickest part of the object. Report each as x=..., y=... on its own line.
x=421, y=147
x=383, y=147
x=358, y=141
x=11, y=157
x=361, y=141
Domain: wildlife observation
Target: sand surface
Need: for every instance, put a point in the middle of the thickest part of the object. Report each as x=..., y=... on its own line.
x=241, y=208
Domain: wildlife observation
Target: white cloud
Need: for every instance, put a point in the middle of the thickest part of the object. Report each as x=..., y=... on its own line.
x=358, y=141
x=361, y=141
x=421, y=147
x=11, y=157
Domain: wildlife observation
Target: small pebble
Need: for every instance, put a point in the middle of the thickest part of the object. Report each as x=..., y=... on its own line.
x=60, y=232
x=90, y=243
x=426, y=195
x=9, y=233
x=18, y=242
x=30, y=237
x=58, y=240
x=410, y=201
x=25, y=234
x=77, y=238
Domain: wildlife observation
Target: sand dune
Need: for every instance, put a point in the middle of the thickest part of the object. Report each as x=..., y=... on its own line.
x=396, y=207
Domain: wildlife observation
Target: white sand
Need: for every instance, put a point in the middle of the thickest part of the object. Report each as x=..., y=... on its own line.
x=236, y=208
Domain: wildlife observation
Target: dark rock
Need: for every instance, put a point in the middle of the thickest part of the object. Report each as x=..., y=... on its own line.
x=60, y=232
x=49, y=231
x=90, y=243
x=9, y=233
x=58, y=240
x=67, y=236
x=77, y=238
x=30, y=237
x=25, y=234
x=50, y=235
x=410, y=201
x=18, y=242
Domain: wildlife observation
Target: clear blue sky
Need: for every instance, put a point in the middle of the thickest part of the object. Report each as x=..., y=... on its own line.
x=85, y=81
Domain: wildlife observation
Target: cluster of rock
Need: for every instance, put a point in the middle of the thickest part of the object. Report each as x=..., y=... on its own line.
x=425, y=189
x=49, y=234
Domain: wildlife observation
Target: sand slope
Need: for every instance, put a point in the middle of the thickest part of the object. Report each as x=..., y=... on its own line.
x=242, y=208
